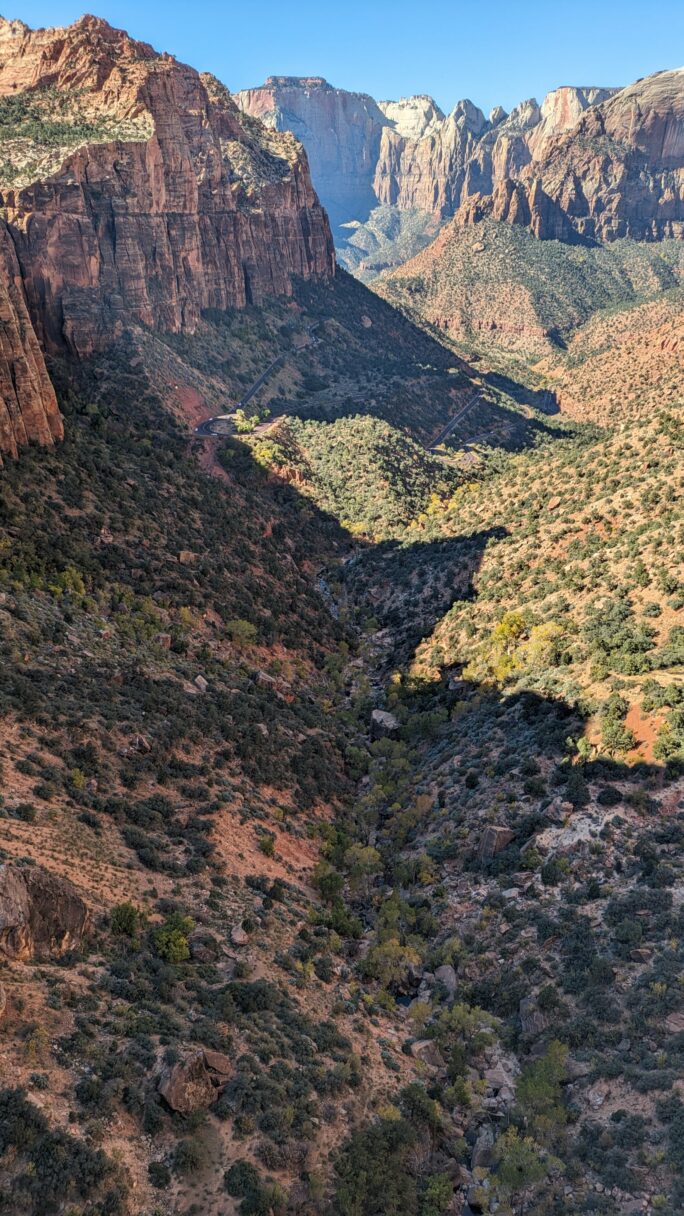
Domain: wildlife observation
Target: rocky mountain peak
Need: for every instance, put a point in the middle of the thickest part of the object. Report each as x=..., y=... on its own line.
x=298, y=82
x=466, y=113
x=370, y=160
x=413, y=117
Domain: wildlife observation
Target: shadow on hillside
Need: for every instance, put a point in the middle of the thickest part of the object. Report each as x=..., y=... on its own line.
x=401, y=592
x=257, y=546
x=408, y=587
x=543, y=400
x=397, y=592
x=492, y=426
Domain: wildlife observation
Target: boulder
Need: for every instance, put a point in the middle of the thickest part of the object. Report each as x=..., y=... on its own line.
x=40, y=913
x=532, y=1020
x=218, y=1063
x=482, y=1150
x=203, y=948
x=383, y=724
x=194, y=1082
x=446, y=976
x=412, y=981
x=201, y=683
x=427, y=1051
x=500, y=1078
x=238, y=936
x=494, y=840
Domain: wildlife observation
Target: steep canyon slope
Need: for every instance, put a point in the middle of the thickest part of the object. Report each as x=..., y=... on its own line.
x=342, y=778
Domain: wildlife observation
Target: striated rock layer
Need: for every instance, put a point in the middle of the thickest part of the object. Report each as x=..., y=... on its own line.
x=341, y=132
x=619, y=171
x=161, y=201
x=589, y=164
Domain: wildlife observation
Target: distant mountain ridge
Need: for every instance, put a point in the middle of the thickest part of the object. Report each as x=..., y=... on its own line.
x=589, y=164
x=408, y=155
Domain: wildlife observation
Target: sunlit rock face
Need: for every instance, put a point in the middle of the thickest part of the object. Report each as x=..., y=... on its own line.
x=150, y=198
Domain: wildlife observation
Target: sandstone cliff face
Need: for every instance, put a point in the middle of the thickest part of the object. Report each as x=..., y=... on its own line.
x=588, y=164
x=560, y=111
x=209, y=212
x=619, y=171
x=409, y=156
x=413, y=117
x=521, y=204
x=341, y=132
x=161, y=200
x=428, y=173
x=28, y=407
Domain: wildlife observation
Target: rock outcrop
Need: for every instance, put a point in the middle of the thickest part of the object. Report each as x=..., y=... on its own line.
x=40, y=913
x=588, y=164
x=146, y=196
x=341, y=132
x=592, y=166
x=619, y=171
x=194, y=1082
x=428, y=173
x=522, y=204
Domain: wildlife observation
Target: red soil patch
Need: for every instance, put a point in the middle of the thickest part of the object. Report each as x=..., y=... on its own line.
x=645, y=728
x=190, y=403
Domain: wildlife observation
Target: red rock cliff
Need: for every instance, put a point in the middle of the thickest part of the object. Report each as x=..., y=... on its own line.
x=341, y=132
x=620, y=170
x=161, y=200
x=28, y=407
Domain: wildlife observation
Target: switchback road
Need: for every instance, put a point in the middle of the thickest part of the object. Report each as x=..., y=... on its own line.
x=452, y=424
x=207, y=429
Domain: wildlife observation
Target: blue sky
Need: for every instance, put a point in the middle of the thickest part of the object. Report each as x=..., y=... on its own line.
x=495, y=53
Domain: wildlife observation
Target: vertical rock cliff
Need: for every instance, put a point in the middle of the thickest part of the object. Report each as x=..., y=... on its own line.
x=28, y=407
x=341, y=132
x=134, y=190
x=371, y=161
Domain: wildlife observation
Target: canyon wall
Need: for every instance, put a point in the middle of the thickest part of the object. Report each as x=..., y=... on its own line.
x=28, y=407
x=407, y=154
x=341, y=132
x=134, y=190
x=619, y=171
x=588, y=164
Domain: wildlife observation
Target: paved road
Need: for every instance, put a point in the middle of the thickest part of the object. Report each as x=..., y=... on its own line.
x=223, y=424
x=453, y=423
